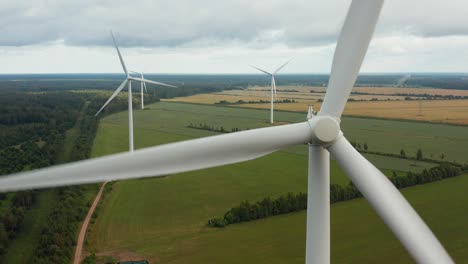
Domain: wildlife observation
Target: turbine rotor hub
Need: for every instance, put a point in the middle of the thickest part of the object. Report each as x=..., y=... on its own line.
x=325, y=129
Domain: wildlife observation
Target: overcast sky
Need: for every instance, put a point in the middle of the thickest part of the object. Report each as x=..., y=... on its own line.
x=224, y=36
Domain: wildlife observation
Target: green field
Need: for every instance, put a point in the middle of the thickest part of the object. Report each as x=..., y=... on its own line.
x=386, y=136
x=164, y=219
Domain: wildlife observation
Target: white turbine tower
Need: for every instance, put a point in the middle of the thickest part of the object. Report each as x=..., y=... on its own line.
x=273, y=86
x=128, y=80
x=322, y=134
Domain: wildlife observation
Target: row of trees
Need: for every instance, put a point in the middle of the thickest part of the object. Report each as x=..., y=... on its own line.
x=267, y=207
x=220, y=129
x=358, y=145
x=364, y=147
x=284, y=101
x=438, y=173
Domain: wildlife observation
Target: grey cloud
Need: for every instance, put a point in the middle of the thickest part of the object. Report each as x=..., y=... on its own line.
x=186, y=22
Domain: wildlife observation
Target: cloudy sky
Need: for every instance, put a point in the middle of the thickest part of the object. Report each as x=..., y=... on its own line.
x=213, y=36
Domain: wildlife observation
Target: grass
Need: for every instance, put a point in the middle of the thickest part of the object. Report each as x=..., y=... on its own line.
x=164, y=219
x=392, y=136
x=164, y=231
x=170, y=121
x=357, y=234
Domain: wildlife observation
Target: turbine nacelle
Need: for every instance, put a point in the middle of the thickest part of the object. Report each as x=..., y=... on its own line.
x=325, y=130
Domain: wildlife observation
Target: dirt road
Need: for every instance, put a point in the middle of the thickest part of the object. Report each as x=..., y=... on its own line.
x=84, y=227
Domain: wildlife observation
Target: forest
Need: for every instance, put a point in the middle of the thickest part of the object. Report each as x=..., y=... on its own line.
x=34, y=119
x=217, y=82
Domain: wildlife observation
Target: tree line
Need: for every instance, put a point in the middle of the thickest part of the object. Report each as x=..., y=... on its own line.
x=267, y=207
x=220, y=129
x=418, y=155
x=284, y=101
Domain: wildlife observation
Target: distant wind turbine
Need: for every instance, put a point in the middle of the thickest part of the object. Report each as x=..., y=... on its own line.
x=273, y=86
x=142, y=85
x=128, y=80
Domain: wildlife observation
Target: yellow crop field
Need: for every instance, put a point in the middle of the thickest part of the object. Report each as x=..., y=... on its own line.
x=444, y=111
x=261, y=93
x=441, y=111
x=388, y=105
x=395, y=90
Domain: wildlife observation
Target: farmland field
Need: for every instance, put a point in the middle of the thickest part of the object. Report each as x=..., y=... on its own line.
x=390, y=105
x=357, y=234
x=165, y=218
x=438, y=111
x=166, y=122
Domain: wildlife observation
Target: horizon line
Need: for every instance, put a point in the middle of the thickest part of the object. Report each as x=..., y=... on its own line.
x=246, y=73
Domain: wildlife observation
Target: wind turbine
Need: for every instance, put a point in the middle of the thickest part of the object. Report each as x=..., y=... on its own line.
x=273, y=86
x=128, y=80
x=142, y=85
x=321, y=133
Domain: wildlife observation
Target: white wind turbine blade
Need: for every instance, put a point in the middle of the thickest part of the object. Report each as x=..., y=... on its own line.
x=120, y=55
x=166, y=159
x=390, y=205
x=153, y=82
x=349, y=53
x=280, y=67
x=122, y=85
x=261, y=70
